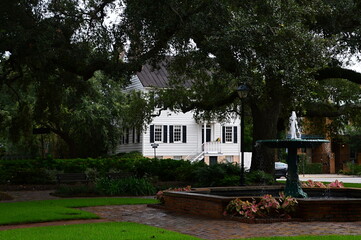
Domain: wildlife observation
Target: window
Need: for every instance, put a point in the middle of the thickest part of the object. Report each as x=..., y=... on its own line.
x=125, y=136
x=177, y=133
x=157, y=133
x=229, y=134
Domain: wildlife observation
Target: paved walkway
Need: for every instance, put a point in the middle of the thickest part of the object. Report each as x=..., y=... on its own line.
x=197, y=226
x=331, y=178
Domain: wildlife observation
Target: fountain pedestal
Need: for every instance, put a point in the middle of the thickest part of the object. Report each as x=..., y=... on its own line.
x=293, y=186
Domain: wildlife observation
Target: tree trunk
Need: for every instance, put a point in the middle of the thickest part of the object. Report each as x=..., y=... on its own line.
x=265, y=119
x=68, y=140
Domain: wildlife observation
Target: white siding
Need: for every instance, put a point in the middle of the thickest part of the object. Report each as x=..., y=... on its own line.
x=192, y=147
x=135, y=84
x=130, y=146
x=169, y=118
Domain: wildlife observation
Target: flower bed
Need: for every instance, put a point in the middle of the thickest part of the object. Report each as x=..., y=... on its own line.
x=266, y=207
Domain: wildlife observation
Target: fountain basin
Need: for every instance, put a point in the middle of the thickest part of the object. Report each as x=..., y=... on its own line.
x=292, y=143
x=341, y=204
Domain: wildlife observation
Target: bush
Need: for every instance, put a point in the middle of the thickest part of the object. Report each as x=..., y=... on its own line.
x=125, y=187
x=75, y=190
x=352, y=169
x=223, y=174
x=259, y=178
x=309, y=168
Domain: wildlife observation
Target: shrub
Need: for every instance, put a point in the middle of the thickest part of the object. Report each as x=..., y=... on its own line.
x=352, y=169
x=75, y=190
x=126, y=186
x=309, y=168
x=259, y=178
x=209, y=175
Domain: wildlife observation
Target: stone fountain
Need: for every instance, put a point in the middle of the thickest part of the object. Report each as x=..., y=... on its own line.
x=293, y=187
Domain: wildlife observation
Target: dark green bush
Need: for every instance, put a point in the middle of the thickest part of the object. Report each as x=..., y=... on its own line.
x=216, y=175
x=352, y=169
x=125, y=187
x=309, y=168
x=259, y=178
x=76, y=190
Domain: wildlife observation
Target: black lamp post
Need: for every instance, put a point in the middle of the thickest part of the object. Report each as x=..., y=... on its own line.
x=242, y=91
x=154, y=146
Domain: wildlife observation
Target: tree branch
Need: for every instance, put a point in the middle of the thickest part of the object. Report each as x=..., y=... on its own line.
x=338, y=72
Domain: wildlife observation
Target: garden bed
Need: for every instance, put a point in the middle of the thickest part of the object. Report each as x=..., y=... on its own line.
x=202, y=202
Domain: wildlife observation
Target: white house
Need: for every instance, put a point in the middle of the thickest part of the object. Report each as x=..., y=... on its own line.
x=178, y=135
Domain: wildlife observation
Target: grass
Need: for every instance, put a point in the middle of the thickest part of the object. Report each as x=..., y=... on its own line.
x=352, y=185
x=122, y=231
x=59, y=209
x=98, y=231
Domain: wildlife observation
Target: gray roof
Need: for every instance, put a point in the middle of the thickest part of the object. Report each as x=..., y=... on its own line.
x=157, y=76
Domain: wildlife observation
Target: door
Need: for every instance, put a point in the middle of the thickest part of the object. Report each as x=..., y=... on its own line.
x=208, y=134
x=213, y=160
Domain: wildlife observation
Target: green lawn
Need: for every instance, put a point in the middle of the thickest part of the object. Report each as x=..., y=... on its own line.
x=352, y=185
x=121, y=231
x=60, y=209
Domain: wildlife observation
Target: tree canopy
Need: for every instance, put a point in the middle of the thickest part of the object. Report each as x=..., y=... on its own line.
x=280, y=49
x=286, y=51
x=61, y=69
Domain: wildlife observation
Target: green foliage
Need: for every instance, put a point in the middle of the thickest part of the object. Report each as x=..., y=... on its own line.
x=304, y=167
x=259, y=178
x=76, y=191
x=41, y=171
x=125, y=187
x=216, y=175
x=353, y=169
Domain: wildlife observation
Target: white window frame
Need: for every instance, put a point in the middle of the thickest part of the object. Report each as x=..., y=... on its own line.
x=158, y=133
x=228, y=134
x=177, y=133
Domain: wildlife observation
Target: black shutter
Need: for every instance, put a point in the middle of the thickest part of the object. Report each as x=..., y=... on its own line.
x=235, y=134
x=133, y=135
x=171, y=134
x=223, y=134
x=138, y=136
x=184, y=134
x=127, y=136
x=152, y=133
x=165, y=133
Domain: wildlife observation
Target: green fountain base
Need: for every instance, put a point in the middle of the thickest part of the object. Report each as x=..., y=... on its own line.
x=293, y=186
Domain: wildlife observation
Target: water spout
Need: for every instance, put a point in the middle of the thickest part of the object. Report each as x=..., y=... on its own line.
x=294, y=129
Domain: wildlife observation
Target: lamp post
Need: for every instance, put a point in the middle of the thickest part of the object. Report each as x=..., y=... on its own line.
x=242, y=91
x=154, y=146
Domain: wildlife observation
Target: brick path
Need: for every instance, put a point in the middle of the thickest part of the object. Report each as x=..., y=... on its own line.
x=220, y=229
x=196, y=226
